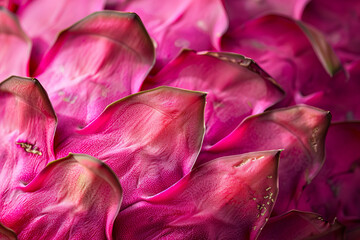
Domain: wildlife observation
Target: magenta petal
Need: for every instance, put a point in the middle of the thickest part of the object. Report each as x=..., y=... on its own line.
x=297, y=225
x=100, y=59
x=77, y=197
x=43, y=19
x=179, y=24
x=335, y=191
x=300, y=130
x=27, y=127
x=291, y=53
x=339, y=21
x=227, y=198
x=224, y=77
x=150, y=139
x=15, y=46
x=7, y=233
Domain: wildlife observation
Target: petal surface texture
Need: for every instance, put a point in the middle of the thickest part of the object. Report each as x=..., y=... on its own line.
x=227, y=198
x=27, y=128
x=98, y=60
x=299, y=130
x=77, y=197
x=297, y=225
x=150, y=139
x=15, y=46
x=292, y=53
x=179, y=24
x=335, y=191
x=236, y=88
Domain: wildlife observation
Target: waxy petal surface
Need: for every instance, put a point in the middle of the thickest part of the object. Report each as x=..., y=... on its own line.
x=339, y=21
x=299, y=130
x=335, y=191
x=100, y=59
x=296, y=225
x=236, y=88
x=77, y=197
x=150, y=139
x=226, y=198
x=342, y=99
x=179, y=24
x=15, y=46
x=27, y=128
x=252, y=9
x=42, y=20
x=288, y=51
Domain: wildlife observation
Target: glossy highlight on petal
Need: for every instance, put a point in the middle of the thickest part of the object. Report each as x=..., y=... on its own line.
x=150, y=139
x=236, y=88
x=15, y=46
x=226, y=198
x=77, y=197
x=98, y=60
x=299, y=130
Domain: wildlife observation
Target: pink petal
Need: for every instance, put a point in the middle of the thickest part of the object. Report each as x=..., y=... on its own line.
x=7, y=233
x=288, y=51
x=43, y=19
x=297, y=225
x=225, y=77
x=223, y=199
x=100, y=59
x=150, y=139
x=27, y=127
x=77, y=197
x=335, y=191
x=179, y=24
x=15, y=46
x=240, y=12
x=343, y=98
x=299, y=130
x=339, y=21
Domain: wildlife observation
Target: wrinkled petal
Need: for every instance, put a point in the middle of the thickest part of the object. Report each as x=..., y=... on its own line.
x=15, y=46
x=179, y=24
x=339, y=21
x=27, y=128
x=150, y=139
x=335, y=192
x=224, y=77
x=252, y=9
x=77, y=197
x=7, y=233
x=300, y=130
x=343, y=98
x=43, y=19
x=223, y=199
x=288, y=51
x=297, y=225
x=100, y=59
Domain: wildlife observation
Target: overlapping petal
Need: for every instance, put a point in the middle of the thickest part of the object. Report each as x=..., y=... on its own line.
x=77, y=197
x=236, y=88
x=292, y=53
x=6, y=233
x=300, y=130
x=179, y=24
x=339, y=22
x=15, y=46
x=335, y=191
x=27, y=128
x=296, y=225
x=227, y=198
x=100, y=59
x=150, y=139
